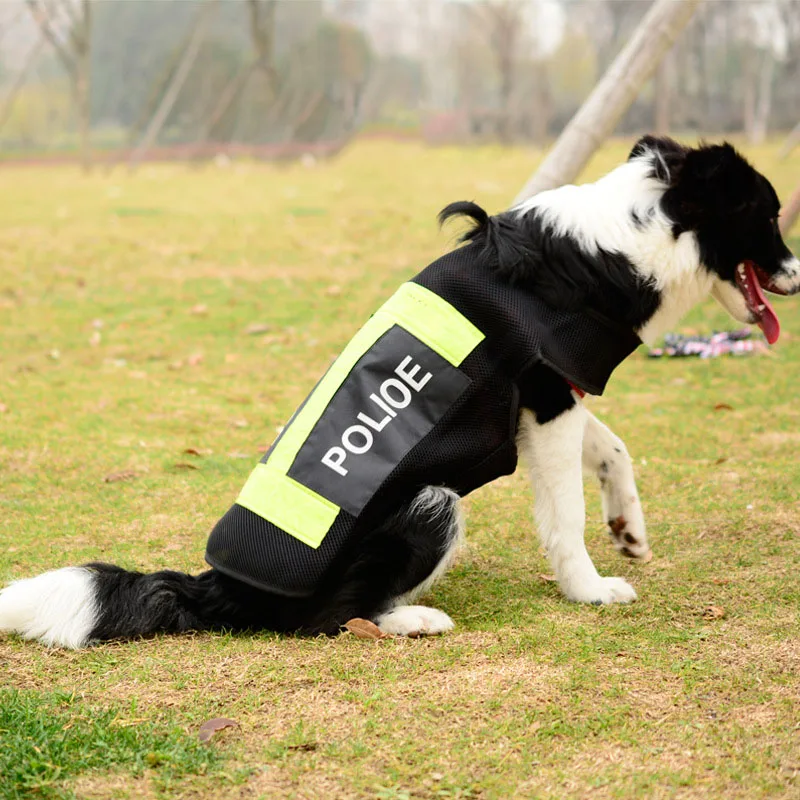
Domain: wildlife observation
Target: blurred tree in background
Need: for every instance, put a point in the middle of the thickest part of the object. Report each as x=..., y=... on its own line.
x=278, y=77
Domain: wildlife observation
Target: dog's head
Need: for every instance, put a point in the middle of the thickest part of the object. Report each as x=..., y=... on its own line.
x=732, y=209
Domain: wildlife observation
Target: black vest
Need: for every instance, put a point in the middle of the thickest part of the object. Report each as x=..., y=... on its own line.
x=426, y=393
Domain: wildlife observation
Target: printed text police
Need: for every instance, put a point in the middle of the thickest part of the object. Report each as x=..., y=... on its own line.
x=393, y=395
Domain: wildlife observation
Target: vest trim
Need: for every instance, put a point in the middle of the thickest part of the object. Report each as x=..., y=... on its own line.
x=284, y=502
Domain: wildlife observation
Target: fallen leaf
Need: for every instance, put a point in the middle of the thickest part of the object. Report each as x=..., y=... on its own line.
x=364, y=629
x=195, y=359
x=713, y=612
x=305, y=746
x=3, y=408
x=333, y=291
x=138, y=374
x=190, y=451
x=175, y=365
x=95, y=338
x=256, y=328
x=723, y=407
x=240, y=455
x=721, y=581
x=721, y=460
x=184, y=465
x=199, y=310
x=262, y=448
x=547, y=578
x=124, y=475
x=209, y=728
x=239, y=423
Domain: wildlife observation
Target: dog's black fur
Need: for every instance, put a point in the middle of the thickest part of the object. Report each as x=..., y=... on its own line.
x=390, y=561
x=553, y=267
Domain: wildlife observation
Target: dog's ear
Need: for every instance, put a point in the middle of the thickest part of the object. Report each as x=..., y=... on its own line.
x=645, y=145
x=709, y=162
x=666, y=154
x=718, y=178
x=716, y=184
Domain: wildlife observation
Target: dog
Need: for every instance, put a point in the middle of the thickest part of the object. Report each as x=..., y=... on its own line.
x=621, y=261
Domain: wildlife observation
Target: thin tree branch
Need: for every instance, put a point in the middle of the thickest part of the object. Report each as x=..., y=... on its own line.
x=228, y=95
x=43, y=18
x=11, y=23
x=19, y=80
x=175, y=86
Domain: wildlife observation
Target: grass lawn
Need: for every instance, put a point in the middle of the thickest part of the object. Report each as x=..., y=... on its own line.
x=158, y=328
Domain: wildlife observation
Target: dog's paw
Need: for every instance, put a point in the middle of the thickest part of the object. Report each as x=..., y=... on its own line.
x=414, y=621
x=602, y=591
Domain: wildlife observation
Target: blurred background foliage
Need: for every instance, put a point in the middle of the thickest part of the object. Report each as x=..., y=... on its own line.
x=194, y=78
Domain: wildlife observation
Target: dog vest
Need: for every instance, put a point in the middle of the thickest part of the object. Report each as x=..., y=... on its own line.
x=426, y=393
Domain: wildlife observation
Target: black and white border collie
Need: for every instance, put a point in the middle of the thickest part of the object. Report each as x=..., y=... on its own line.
x=642, y=245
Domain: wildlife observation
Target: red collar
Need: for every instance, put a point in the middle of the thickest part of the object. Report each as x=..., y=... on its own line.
x=575, y=389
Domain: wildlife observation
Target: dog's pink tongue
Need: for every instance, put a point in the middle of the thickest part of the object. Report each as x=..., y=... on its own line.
x=767, y=318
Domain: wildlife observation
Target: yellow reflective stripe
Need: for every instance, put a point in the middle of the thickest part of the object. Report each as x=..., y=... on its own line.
x=304, y=514
x=433, y=321
x=283, y=455
x=288, y=504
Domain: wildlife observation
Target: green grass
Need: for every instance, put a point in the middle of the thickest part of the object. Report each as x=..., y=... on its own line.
x=50, y=737
x=125, y=302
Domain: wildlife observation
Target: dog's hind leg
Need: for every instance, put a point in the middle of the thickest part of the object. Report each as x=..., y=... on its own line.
x=605, y=455
x=436, y=513
x=553, y=451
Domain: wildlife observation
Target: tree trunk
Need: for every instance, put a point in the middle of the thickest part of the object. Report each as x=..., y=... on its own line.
x=792, y=140
x=663, y=88
x=262, y=37
x=19, y=81
x=228, y=95
x=612, y=96
x=763, y=106
x=790, y=212
x=176, y=84
x=75, y=56
x=83, y=84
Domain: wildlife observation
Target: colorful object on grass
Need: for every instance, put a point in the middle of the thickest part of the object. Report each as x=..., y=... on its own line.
x=737, y=343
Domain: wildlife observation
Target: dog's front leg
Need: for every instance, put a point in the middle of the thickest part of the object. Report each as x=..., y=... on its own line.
x=605, y=455
x=554, y=455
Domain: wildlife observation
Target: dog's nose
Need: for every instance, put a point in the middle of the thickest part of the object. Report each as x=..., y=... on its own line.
x=787, y=279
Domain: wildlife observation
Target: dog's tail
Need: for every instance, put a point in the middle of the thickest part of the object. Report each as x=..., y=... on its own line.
x=466, y=208
x=75, y=606
x=503, y=244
